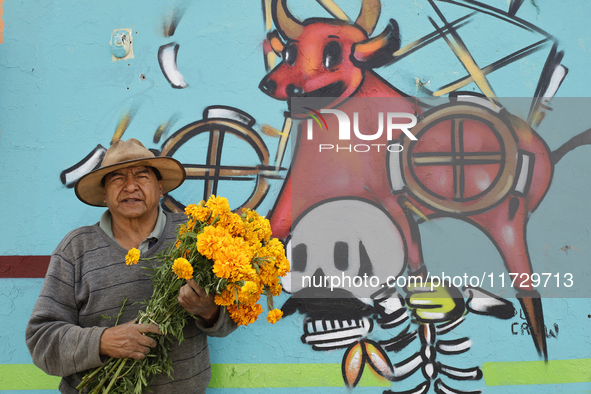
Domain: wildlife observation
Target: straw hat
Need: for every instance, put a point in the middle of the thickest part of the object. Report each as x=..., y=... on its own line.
x=122, y=154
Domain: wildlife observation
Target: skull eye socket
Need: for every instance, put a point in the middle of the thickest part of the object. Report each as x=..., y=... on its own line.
x=332, y=55
x=299, y=258
x=341, y=255
x=290, y=53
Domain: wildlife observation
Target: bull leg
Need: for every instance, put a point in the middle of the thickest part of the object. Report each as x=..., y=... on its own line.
x=412, y=237
x=280, y=215
x=531, y=303
x=505, y=226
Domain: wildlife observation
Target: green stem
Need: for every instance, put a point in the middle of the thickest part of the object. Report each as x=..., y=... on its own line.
x=89, y=377
x=129, y=370
x=114, y=378
x=103, y=380
x=120, y=311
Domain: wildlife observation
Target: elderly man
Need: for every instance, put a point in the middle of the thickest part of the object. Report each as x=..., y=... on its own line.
x=88, y=280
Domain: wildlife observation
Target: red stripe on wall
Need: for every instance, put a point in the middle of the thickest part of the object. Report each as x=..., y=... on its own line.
x=23, y=266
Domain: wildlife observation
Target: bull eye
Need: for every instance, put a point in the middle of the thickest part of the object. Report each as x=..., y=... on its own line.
x=299, y=258
x=332, y=55
x=341, y=255
x=290, y=53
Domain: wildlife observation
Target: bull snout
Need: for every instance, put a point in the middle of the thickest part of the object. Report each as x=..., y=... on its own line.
x=268, y=86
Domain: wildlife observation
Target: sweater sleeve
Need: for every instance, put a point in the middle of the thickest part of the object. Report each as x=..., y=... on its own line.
x=222, y=327
x=58, y=345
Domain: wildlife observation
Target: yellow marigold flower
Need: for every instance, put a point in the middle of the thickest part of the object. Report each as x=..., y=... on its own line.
x=257, y=227
x=133, y=256
x=255, y=246
x=283, y=266
x=274, y=316
x=189, y=208
x=197, y=212
x=249, y=288
x=249, y=293
x=233, y=224
x=218, y=206
x=270, y=278
x=218, y=202
x=274, y=252
x=275, y=248
x=182, y=268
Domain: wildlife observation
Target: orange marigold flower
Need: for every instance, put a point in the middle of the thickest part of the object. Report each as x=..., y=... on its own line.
x=182, y=268
x=228, y=297
x=283, y=266
x=222, y=269
x=274, y=316
x=210, y=240
x=243, y=270
x=276, y=289
x=232, y=262
x=244, y=314
x=132, y=257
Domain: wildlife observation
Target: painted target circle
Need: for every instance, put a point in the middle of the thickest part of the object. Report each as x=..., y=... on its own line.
x=219, y=124
x=463, y=161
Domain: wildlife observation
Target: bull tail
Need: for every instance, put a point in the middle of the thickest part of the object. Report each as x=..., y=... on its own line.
x=583, y=138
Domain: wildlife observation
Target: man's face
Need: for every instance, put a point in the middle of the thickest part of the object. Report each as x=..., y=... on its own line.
x=132, y=192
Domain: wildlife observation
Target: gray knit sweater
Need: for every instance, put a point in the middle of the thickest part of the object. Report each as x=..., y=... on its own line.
x=87, y=279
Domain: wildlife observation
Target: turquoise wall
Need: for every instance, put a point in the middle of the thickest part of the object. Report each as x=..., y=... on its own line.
x=63, y=92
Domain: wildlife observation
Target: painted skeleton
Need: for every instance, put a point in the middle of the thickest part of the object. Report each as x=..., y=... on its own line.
x=328, y=242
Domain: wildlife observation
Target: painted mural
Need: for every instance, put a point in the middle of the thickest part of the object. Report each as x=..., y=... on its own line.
x=481, y=173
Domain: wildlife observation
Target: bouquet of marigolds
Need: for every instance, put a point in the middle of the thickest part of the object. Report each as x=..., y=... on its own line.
x=232, y=256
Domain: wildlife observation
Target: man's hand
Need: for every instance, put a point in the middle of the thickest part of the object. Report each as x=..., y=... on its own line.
x=193, y=298
x=127, y=340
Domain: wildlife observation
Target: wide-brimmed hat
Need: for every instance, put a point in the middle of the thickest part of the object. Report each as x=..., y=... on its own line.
x=122, y=154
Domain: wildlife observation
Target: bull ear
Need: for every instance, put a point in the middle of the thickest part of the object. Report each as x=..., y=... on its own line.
x=275, y=41
x=379, y=50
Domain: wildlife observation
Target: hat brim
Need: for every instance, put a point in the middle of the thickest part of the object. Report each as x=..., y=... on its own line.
x=89, y=188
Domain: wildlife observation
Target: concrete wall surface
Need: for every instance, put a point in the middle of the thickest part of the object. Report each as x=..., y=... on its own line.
x=493, y=193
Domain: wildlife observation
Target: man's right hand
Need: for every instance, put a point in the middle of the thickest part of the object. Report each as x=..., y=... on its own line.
x=127, y=341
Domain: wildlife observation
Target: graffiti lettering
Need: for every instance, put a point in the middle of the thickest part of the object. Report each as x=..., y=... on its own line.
x=524, y=328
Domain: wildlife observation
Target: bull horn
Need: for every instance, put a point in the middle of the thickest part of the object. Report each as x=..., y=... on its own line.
x=377, y=51
x=286, y=23
x=369, y=15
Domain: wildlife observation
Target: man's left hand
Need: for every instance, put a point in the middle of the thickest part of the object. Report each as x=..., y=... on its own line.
x=192, y=297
